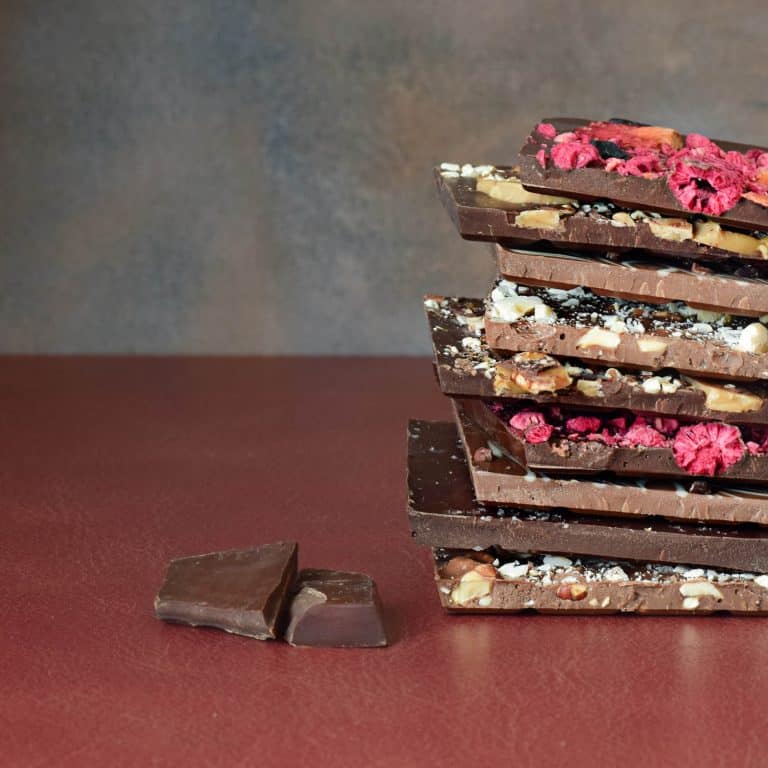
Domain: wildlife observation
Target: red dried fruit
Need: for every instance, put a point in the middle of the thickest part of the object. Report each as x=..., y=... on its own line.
x=635, y=137
x=525, y=419
x=538, y=434
x=703, y=182
x=541, y=156
x=574, y=154
x=547, y=130
x=707, y=449
x=640, y=433
x=583, y=424
x=646, y=164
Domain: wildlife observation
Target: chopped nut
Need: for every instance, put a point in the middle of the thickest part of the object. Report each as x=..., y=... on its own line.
x=762, y=581
x=456, y=567
x=652, y=346
x=512, y=191
x=676, y=230
x=622, y=219
x=589, y=388
x=717, y=398
x=512, y=308
x=691, y=603
x=510, y=571
x=599, y=337
x=700, y=589
x=532, y=372
x=616, y=573
x=557, y=561
x=710, y=233
x=472, y=586
x=544, y=314
x=707, y=316
x=538, y=218
x=754, y=338
x=606, y=602
x=572, y=591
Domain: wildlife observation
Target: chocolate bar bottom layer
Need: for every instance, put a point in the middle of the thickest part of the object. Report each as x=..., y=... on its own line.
x=550, y=584
x=239, y=591
x=335, y=609
x=443, y=512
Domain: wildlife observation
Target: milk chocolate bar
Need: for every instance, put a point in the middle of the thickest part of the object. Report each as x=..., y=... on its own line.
x=600, y=329
x=239, y=591
x=467, y=367
x=498, y=479
x=570, y=441
x=443, y=512
x=335, y=609
x=648, y=167
x=484, y=203
x=644, y=280
x=514, y=582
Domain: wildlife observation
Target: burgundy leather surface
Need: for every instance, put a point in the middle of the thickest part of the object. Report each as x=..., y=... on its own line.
x=108, y=468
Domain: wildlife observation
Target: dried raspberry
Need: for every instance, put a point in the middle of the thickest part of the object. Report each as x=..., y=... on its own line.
x=667, y=426
x=645, y=164
x=697, y=141
x=525, y=419
x=640, y=433
x=541, y=156
x=705, y=182
x=753, y=448
x=574, y=154
x=613, y=164
x=706, y=449
x=583, y=424
x=539, y=433
x=619, y=423
x=547, y=130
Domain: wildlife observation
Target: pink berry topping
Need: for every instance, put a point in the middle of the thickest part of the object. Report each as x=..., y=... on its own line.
x=707, y=449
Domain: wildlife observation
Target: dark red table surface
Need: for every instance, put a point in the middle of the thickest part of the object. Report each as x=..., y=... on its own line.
x=110, y=467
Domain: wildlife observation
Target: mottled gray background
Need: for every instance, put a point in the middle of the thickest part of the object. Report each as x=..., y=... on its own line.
x=196, y=176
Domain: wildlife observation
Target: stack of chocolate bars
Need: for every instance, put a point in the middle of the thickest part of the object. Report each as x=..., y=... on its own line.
x=610, y=445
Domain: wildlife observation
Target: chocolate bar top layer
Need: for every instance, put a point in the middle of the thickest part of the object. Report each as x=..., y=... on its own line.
x=636, y=279
x=466, y=366
x=443, y=512
x=594, y=183
x=584, y=226
x=335, y=609
x=568, y=457
x=499, y=479
x=239, y=591
x=554, y=584
x=602, y=329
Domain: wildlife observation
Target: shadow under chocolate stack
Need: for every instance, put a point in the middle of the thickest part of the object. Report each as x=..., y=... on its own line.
x=610, y=445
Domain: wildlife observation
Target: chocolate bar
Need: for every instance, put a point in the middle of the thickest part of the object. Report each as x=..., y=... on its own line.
x=335, y=609
x=648, y=167
x=443, y=512
x=513, y=582
x=239, y=591
x=498, y=479
x=582, y=443
x=467, y=367
x=483, y=203
x=642, y=280
x=600, y=329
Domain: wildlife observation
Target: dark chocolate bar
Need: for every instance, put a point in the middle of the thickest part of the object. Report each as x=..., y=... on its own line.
x=604, y=330
x=553, y=584
x=443, y=512
x=629, y=277
x=498, y=479
x=335, y=609
x=622, y=444
x=648, y=167
x=476, y=199
x=467, y=367
x=239, y=591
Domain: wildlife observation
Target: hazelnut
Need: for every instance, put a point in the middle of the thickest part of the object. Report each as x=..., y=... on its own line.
x=754, y=338
x=572, y=591
x=599, y=337
x=472, y=586
x=700, y=589
x=456, y=567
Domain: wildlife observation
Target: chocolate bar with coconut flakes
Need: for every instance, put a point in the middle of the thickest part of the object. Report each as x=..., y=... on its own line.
x=499, y=479
x=443, y=512
x=489, y=203
x=467, y=367
x=510, y=582
x=648, y=167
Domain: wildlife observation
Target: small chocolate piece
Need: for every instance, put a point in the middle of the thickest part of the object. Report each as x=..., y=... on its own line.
x=505, y=481
x=714, y=187
x=239, y=591
x=467, y=367
x=335, y=609
x=570, y=457
x=636, y=279
x=479, y=210
x=552, y=584
x=443, y=512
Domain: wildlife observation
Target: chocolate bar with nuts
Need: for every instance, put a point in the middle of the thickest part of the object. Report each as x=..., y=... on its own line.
x=509, y=582
x=239, y=591
x=489, y=203
x=604, y=330
x=638, y=279
x=443, y=512
x=498, y=479
x=467, y=367
x=648, y=167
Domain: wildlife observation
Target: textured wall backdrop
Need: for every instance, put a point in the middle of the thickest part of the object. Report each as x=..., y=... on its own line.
x=235, y=176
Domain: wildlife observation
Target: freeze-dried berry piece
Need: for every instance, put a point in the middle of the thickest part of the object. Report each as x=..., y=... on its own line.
x=575, y=154
x=707, y=449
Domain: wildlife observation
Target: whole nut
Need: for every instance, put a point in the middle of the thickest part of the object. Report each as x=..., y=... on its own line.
x=754, y=338
x=456, y=567
x=572, y=591
x=486, y=570
x=700, y=589
x=472, y=586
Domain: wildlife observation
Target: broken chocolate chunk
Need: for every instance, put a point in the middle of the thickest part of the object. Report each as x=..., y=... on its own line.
x=335, y=609
x=239, y=591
